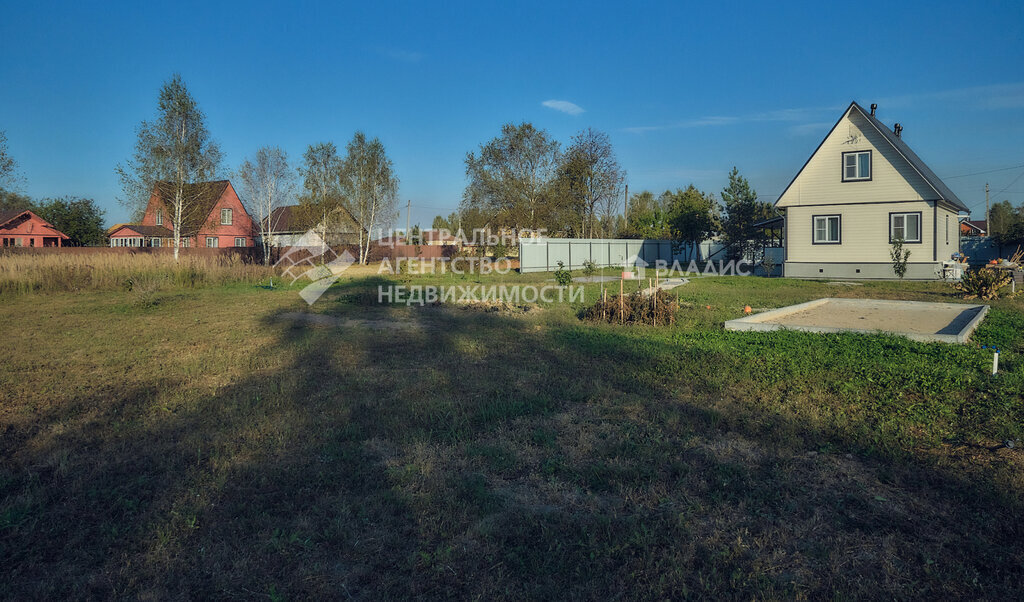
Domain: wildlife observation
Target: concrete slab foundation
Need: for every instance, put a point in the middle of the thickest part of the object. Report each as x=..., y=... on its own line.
x=917, y=320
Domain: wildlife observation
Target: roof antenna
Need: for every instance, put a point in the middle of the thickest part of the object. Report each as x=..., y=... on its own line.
x=897, y=129
x=873, y=107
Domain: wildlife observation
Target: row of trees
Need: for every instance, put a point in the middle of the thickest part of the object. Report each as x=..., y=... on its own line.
x=80, y=218
x=522, y=179
x=358, y=190
x=690, y=216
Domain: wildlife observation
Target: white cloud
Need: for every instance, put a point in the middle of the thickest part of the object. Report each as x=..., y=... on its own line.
x=800, y=114
x=994, y=96
x=564, y=106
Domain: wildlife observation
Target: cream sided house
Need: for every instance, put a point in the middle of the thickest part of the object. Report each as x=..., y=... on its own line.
x=862, y=189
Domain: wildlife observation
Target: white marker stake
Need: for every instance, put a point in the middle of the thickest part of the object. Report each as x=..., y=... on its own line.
x=995, y=363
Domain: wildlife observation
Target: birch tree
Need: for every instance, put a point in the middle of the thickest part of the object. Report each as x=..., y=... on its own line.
x=590, y=179
x=321, y=199
x=370, y=188
x=174, y=151
x=269, y=184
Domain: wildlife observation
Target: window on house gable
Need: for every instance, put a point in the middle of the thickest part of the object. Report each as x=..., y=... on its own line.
x=856, y=166
x=827, y=230
x=906, y=226
x=225, y=217
x=160, y=218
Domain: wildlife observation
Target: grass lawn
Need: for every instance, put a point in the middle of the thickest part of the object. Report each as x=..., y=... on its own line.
x=192, y=443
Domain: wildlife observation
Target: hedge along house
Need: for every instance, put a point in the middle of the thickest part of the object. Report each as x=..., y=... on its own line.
x=215, y=219
x=862, y=189
x=22, y=228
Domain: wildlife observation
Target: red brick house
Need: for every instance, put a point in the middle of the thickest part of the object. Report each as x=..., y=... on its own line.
x=26, y=229
x=217, y=219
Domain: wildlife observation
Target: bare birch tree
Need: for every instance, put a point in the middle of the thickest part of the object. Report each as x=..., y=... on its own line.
x=319, y=204
x=591, y=179
x=269, y=184
x=174, y=151
x=370, y=188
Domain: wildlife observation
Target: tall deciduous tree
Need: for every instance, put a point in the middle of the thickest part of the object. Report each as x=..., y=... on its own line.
x=175, y=150
x=693, y=217
x=81, y=219
x=510, y=178
x=590, y=179
x=268, y=183
x=742, y=211
x=370, y=188
x=7, y=164
x=321, y=199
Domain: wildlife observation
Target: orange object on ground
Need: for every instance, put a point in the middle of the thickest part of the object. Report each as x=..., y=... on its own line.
x=746, y=309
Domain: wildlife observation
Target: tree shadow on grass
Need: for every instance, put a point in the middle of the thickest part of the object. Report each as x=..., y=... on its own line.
x=483, y=455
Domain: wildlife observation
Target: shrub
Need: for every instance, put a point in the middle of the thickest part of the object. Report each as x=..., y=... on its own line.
x=589, y=268
x=562, y=275
x=983, y=283
x=900, y=256
x=637, y=308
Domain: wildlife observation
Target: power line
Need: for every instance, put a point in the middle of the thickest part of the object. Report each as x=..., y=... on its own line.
x=978, y=173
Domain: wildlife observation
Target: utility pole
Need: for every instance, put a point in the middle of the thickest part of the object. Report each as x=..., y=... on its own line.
x=988, y=227
x=408, y=206
x=625, y=204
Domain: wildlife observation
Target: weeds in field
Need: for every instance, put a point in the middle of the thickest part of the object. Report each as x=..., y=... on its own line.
x=71, y=272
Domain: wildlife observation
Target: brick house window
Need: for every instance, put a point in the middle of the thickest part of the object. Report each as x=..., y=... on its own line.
x=159, y=218
x=225, y=217
x=239, y=242
x=212, y=241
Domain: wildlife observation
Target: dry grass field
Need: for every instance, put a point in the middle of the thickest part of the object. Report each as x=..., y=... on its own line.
x=197, y=443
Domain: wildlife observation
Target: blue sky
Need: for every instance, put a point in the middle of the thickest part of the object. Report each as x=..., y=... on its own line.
x=685, y=92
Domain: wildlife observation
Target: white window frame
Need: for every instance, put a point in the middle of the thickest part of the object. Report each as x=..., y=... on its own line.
x=225, y=217
x=827, y=219
x=239, y=238
x=212, y=239
x=859, y=157
x=160, y=218
x=918, y=215
x=154, y=241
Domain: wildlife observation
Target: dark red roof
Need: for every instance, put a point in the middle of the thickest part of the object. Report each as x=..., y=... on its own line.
x=144, y=230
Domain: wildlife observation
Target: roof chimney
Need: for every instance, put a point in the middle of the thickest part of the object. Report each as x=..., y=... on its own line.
x=873, y=107
x=897, y=129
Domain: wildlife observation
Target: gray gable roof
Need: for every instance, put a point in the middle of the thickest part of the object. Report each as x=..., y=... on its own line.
x=901, y=147
x=941, y=190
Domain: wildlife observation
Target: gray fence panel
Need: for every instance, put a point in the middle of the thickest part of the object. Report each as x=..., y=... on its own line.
x=543, y=254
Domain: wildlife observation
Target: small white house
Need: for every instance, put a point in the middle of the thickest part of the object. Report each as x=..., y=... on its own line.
x=862, y=189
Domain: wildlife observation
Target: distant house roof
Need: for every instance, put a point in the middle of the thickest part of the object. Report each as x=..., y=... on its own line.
x=978, y=225
x=7, y=217
x=203, y=195
x=140, y=230
x=941, y=190
x=283, y=220
x=440, y=235
x=289, y=219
